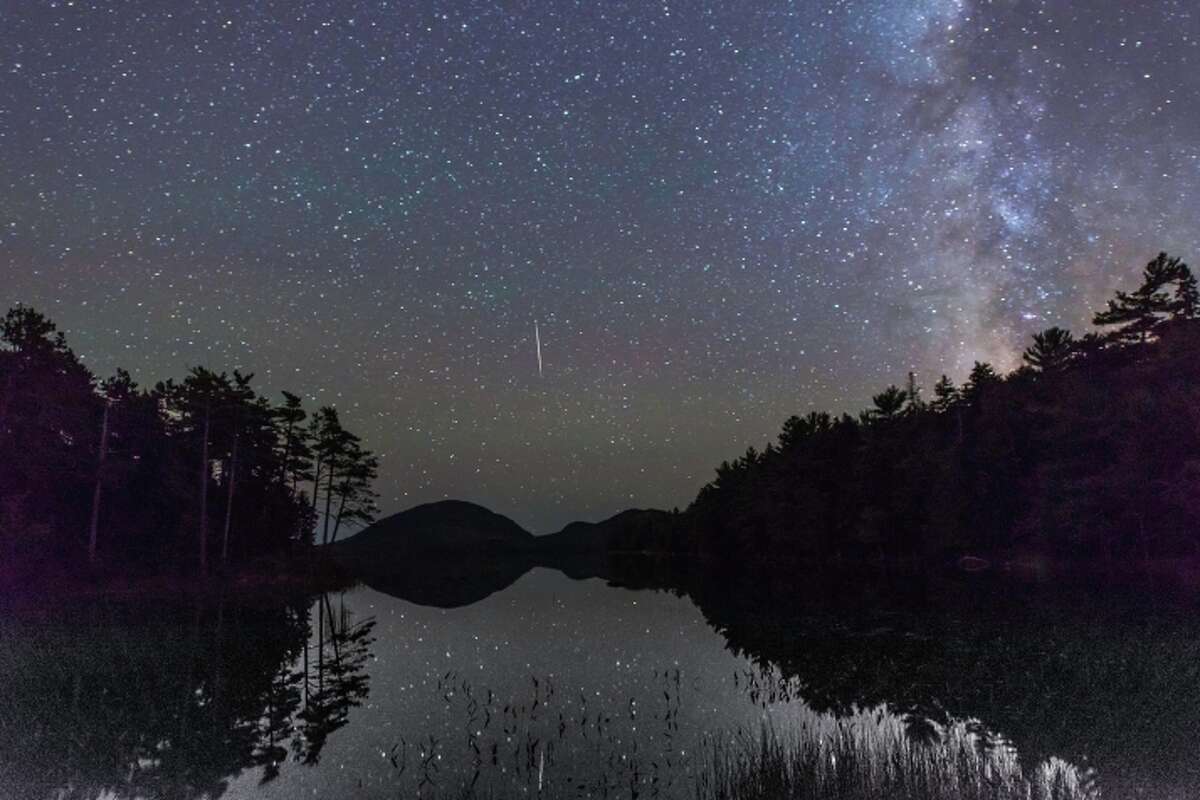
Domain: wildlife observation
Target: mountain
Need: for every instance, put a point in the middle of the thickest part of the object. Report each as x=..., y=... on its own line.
x=633, y=530
x=446, y=528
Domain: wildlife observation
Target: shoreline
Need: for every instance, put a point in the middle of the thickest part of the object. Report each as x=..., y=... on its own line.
x=268, y=578
x=315, y=572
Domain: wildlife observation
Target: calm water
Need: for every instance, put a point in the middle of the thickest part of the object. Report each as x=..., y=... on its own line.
x=586, y=689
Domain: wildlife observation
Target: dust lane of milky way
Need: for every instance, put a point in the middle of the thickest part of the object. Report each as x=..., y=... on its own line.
x=736, y=211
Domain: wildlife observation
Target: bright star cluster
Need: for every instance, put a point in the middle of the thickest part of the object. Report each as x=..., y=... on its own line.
x=718, y=214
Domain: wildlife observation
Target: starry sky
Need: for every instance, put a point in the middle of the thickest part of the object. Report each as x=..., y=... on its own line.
x=717, y=214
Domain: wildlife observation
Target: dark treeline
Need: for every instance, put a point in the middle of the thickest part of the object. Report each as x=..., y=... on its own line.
x=188, y=474
x=1090, y=450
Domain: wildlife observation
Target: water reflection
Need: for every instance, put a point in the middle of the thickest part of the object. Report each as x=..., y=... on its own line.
x=122, y=700
x=585, y=688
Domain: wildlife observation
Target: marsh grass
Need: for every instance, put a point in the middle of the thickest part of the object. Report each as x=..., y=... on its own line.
x=870, y=757
x=555, y=744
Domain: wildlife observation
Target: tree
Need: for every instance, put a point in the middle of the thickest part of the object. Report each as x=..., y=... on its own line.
x=356, y=498
x=321, y=427
x=1187, y=295
x=945, y=395
x=983, y=376
x=240, y=402
x=1051, y=350
x=131, y=477
x=798, y=429
x=888, y=403
x=331, y=442
x=94, y=525
x=26, y=330
x=193, y=405
x=1141, y=311
x=50, y=422
x=295, y=459
x=913, y=395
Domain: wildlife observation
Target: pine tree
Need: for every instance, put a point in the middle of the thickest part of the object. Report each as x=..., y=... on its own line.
x=194, y=406
x=945, y=395
x=1141, y=311
x=356, y=498
x=797, y=429
x=888, y=403
x=1051, y=350
x=295, y=458
x=982, y=377
x=1187, y=295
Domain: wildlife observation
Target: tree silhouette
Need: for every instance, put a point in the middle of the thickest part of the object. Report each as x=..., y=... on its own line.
x=356, y=499
x=888, y=403
x=1051, y=350
x=108, y=474
x=912, y=394
x=983, y=376
x=798, y=429
x=295, y=459
x=193, y=405
x=1098, y=463
x=26, y=330
x=945, y=395
x=1168, y=289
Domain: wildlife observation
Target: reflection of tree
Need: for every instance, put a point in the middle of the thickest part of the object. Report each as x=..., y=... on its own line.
x=1103, y=679
x=340, y=682
x=164, y=702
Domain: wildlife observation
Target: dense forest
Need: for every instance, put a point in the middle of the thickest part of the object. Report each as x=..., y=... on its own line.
x=187, y=475
x=1090, y=450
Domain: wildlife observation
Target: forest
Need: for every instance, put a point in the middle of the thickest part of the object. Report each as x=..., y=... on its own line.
x=194, y=475
x=1089, y=451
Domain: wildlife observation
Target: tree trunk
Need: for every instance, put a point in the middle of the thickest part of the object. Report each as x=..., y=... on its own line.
x=92, y=530
x=287, y=453
x=8, y=382
x=307, y=640
x=316, y=481
x=321, y=652
x=204, y=490
x=337, y=520
x=229, y=498
x=328, y=501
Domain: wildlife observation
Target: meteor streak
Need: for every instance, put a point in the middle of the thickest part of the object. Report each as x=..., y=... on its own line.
x=538, y=338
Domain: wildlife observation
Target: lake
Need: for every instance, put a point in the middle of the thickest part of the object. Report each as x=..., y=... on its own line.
x=586, y=689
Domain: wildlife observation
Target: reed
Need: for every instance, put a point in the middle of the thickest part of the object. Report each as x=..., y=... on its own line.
x=870, y=757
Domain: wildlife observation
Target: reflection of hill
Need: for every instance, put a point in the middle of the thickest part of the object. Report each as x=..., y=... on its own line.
x=445, y=582
x=170, y=701
x=452, y=553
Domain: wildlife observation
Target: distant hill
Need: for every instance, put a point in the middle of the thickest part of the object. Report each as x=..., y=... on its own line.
x=634, y=529
x=449, y=527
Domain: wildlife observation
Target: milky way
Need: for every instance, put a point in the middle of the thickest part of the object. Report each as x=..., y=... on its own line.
x=718, y=215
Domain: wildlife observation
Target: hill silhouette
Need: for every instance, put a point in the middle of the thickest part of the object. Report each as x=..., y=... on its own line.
x=447, y=527
x=632, y=529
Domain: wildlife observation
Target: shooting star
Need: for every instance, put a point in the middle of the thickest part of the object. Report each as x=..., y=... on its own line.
x=538, y=338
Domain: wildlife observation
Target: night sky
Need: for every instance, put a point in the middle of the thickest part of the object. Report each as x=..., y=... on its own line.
x=717, y=214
